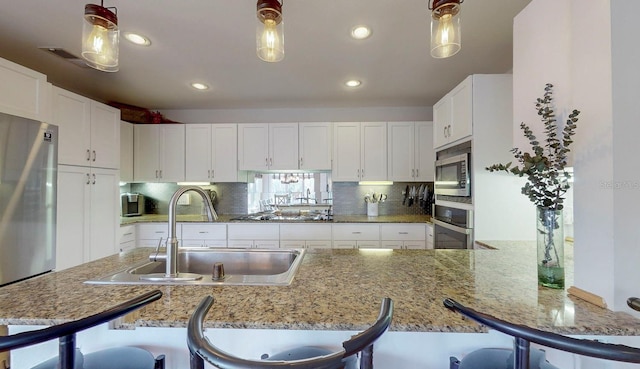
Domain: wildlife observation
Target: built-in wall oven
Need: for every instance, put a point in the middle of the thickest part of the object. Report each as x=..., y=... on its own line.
x=452, y=228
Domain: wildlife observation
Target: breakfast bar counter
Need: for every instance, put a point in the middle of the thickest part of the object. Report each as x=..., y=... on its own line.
x=334, y=290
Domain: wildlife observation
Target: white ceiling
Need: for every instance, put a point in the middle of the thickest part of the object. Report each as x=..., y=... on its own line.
x=214, y=41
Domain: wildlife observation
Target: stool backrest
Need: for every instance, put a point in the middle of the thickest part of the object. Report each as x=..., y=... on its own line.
x=525, y=335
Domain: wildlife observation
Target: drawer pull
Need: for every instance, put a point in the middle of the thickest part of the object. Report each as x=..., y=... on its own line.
x=128, y=234
x=158, y=232
x=356, y=232
x=203, y=232
x=403, y=232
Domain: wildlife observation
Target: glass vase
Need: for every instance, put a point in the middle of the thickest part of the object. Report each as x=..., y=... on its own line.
x=550, y=241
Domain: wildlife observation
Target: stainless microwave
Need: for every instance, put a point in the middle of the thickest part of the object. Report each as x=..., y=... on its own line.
x=452, y=176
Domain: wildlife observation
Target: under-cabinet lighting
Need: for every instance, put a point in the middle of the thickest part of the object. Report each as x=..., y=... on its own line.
x=193, y=183
x=376, y=251
x=375, y=183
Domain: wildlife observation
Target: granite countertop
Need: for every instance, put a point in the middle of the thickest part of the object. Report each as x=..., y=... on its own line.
x=229, y=218
x=334, y=290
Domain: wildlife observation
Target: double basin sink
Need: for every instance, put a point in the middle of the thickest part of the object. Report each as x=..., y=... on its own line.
x=241, y=267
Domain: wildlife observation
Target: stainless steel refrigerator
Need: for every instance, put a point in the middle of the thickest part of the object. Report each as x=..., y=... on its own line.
x=28, y=176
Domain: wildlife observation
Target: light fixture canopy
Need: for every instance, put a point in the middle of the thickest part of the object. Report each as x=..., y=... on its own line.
x=100, y=38
x=445, y=27
x=270, y=30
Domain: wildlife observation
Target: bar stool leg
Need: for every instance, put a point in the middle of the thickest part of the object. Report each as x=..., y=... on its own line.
x=521, y=350
x=195, y=361
x=366, y=358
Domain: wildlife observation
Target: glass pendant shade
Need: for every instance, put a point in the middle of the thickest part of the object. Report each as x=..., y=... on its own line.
x=270, y=31
x=445, y=28
x=100, y=38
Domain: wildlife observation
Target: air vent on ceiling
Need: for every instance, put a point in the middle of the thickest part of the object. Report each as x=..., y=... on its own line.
x=66, y=55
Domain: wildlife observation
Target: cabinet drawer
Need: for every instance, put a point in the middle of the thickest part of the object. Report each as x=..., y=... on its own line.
x=292, y=244
x=266, y=244
x=368, y=244
x=305, y=231
x=416, y=245
x=391, y=244
x=154, y=231
x=356, y=231
x=318, y=244
x=245, y=231
x=127, y=234
x=204, y=231
x=242, y=244
x=340, y=244
x=402, y=232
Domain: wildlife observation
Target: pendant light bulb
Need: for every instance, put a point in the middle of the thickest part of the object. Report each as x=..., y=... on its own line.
x=445, y=28
x=100, y=38
x=270, y=31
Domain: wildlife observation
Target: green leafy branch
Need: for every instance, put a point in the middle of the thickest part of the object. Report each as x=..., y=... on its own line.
x=544, y=167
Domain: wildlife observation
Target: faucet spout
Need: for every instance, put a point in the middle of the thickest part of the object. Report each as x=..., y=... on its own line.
x=172, y=242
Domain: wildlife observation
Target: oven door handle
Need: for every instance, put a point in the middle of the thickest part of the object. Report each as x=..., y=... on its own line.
x=452, y=227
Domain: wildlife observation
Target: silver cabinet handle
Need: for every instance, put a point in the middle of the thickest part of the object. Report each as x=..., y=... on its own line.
x=94, y=155
x=94, y=179
x=208, y=173
x=128, y=234
x=301, y=162
x=403, y=232
x=417, y=173
x=266, y=162
x=413, y=173
x=160, y=173
x=213, y=173
x=88, y=155
x=156, y=173
x=270, y=161
x=88, y=178
x=356, y=232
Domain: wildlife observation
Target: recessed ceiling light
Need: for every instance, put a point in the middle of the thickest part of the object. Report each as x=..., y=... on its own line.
x=199, y=86
x=137, y=39
x=360, y=32
x=353, y=83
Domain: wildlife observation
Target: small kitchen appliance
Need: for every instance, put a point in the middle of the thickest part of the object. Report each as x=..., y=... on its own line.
x=132, y=204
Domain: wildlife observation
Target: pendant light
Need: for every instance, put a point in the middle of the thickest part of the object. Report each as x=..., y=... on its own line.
x=100, y=37
x=270, y=31
x=445, y=27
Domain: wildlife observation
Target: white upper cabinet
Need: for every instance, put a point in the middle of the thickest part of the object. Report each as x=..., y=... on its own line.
x=24, y=92
x=314, y=146
x=410, y=151
x=453, y=115
x=268, y=146
x=89, y=131
x=359, y=151
x=211, y=152
x=126, y=151
x=159, y=152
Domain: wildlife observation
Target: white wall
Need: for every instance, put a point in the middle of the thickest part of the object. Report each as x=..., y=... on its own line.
x=588, y=47
x=300, y=115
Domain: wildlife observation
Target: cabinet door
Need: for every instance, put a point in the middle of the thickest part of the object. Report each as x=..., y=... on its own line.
x=104, y=214
x=145, y=149
x=198, y=152
x=462, y=110
x=253, y=146
x=126, y=151
x=105, y=136
x=314, y=146
x=425, y=155
x=346, y=152
x=401, y=151
x=72, y=229
x=373, y=151
x=225, y=152
x=172, y=153
x=23, y=92
x=283, y=146
x=441, y=122
x=72, y=115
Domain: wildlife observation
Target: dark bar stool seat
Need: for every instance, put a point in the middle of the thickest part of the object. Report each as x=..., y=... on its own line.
x=306, y=357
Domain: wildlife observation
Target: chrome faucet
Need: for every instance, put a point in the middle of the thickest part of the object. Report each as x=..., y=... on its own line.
x=172, y=241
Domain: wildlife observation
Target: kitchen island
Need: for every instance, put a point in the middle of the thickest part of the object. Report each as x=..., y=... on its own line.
x=335, y=290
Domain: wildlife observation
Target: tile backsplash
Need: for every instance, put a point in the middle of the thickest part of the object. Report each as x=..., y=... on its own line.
x=232, y=198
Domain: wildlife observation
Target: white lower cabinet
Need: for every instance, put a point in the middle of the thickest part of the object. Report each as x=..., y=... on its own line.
x=356, y=235
x=243, y=235
x=150, y=234
x=430, y=236
x=402, y=236
x=310, y=236
x=127, y=237
x=204, y=235
x=88, y=216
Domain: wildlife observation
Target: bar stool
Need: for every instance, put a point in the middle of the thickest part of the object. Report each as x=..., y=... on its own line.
x=521, y=356
x=71, y=358
x=306, y=357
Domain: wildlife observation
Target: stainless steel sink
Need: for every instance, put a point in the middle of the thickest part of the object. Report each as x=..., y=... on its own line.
x=241, y=267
